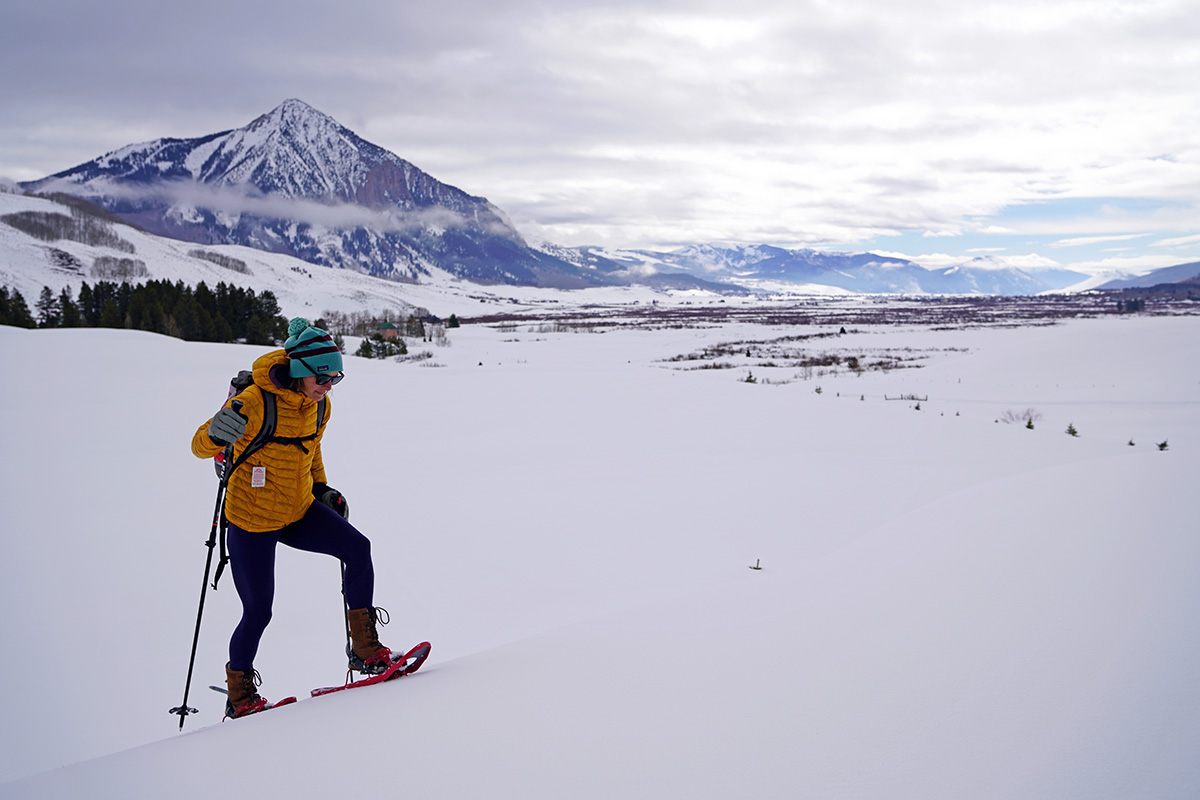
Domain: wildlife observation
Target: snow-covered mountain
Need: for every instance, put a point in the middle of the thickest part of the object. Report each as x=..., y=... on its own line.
x=856, y=272
x=295, y=181
x=1181, y=273
x=640, y=268
x=993, y=275
x=985, y=275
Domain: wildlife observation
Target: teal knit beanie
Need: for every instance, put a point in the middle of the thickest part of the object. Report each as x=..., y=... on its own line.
x=311, y=350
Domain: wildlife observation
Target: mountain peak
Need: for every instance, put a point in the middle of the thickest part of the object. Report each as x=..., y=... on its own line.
x=295, y=106
x=293, y=113
x=296, y=181
x=989, y=262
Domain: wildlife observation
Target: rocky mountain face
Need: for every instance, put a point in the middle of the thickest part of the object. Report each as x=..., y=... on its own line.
x=294, y=181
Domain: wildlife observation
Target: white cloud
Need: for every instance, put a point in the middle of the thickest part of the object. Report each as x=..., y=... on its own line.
x=232, y=201
x=651, y=123
x=1177, y=241
x=1079, y=241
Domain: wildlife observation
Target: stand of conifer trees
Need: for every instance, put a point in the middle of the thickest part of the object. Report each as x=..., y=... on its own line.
x=225, y=314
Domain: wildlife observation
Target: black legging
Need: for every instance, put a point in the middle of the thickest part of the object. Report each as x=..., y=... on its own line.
x=252, y=562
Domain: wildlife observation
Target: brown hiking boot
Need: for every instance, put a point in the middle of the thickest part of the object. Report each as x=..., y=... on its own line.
x=366, y=654
x=243, y=693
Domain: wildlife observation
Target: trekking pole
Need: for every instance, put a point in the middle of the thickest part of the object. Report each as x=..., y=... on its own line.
x=345, y=602
x=183, y=710
x=346, y=608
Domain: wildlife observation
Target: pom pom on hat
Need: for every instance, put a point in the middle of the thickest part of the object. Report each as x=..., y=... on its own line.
x=311, y=350
x=297, y=326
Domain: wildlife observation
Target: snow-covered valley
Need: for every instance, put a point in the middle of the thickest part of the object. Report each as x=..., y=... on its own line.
x=949, y=605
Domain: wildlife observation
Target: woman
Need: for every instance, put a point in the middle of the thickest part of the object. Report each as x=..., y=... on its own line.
x=270, y=500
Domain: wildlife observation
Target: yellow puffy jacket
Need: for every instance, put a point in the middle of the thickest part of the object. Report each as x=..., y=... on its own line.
x=286, y=471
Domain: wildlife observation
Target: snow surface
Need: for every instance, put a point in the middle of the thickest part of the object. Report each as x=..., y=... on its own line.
x=948, y=606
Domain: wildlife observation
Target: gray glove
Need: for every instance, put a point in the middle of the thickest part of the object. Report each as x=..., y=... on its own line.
x=227, y=427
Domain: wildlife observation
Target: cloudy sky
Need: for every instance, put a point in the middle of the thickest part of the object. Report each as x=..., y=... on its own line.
x=1063, y=132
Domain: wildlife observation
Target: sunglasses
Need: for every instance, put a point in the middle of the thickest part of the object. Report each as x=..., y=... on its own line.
x=330, y=380
x=322, y=380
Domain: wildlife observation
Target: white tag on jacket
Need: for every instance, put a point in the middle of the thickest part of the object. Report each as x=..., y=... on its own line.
x=258, y=477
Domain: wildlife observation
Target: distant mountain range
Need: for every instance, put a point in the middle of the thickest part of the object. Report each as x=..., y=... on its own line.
x=1181, y=273
x=296, y=182
x=765, y=266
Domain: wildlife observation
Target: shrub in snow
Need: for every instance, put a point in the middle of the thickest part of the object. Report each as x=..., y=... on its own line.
x=1028, y=417
x=222, y=260
x=118, y=269
x=378, y=347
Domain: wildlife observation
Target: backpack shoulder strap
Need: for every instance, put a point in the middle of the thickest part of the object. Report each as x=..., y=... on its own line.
x=265, y=431
x=296, y=441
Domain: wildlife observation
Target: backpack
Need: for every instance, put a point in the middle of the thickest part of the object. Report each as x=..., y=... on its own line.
x=241, y=382
x=266, y=434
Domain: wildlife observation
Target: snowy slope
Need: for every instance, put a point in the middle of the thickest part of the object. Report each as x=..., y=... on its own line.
x=301, y=288
x=948, y=606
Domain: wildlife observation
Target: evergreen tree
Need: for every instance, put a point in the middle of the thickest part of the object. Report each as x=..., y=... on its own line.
x=48, y=311
x=222, y=331
x=206, y=299
x=378, y=347
x=69, y=312
x=110, y=315
x=124, y=295
x=86, y=319
x=99, y=297
x=146, y=313
x=18, y=311
x=4, y=301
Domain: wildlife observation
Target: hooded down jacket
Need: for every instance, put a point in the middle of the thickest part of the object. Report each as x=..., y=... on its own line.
x=273, y=488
